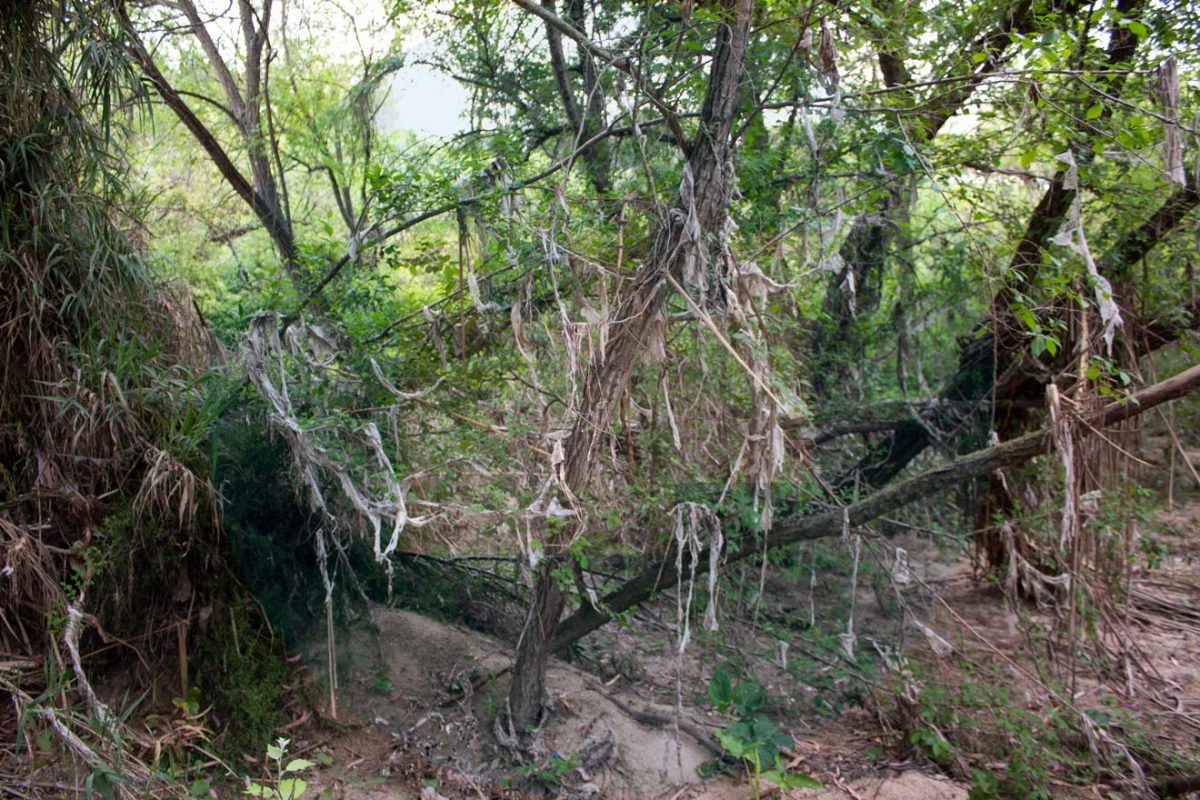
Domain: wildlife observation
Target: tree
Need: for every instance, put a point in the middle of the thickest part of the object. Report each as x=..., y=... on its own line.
x=702, y=207
x=855, y=284
x=336, y=140
x=265, y=191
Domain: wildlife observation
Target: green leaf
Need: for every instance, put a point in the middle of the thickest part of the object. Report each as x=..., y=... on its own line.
x=258, y=790
x=979, y=58
x=299, y=765
x=720, y=690
x=791, y=780
x=1137, y=29
x=1094, y=111
x=292, y=788
x=743, y=730
x=274, y=752
x=732, y=744
x=749, y=697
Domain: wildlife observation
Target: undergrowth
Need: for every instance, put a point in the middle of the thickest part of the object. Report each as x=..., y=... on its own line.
x=1010, y=739
x=115, y=566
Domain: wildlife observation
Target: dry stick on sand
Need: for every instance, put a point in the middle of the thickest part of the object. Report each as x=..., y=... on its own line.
x=662, y=574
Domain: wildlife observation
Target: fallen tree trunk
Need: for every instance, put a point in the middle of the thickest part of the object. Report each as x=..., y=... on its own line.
x=973, y=382
x=662, y=574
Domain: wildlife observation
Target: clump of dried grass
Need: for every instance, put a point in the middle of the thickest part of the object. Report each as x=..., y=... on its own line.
x=101, y=442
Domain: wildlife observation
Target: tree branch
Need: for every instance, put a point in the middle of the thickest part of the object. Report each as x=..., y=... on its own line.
x=622, y=63
x=662, y=575
x=225, y=237
x=220, y=68
x=224, y=109
x=992, y=44
x=1134, y=246
x=558, y=65
x=973, y=380
x=446, y=208
x=211, y=146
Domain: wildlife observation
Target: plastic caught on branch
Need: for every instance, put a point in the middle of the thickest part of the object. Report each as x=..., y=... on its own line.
x=71, y=641
x=330, y=648
x=666, y=390
x=827, y=56
x=691, y=521
x=695, y=260
x=1064, y=442
x=266, y=366
x=1073, y=238
x=849, y=639
x=937, y=643
x=750, y=284
x=901, y=572
x=399, y=395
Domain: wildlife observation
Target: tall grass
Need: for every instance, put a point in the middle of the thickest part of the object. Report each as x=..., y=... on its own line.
x=109, y=538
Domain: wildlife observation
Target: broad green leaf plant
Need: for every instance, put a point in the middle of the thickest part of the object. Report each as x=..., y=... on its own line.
x=751, y=736
x=285, y=782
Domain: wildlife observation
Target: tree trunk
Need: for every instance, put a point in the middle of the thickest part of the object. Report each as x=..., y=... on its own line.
x=704, y=197
x=586, y=119
x=529, y=673
x=260, y=192
x=998, y=351
x=596, y=156
x=855, y=290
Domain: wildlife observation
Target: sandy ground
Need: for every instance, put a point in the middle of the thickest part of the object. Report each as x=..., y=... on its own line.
x=402, y=692
x=411, y=729
x=426, y=662
x=404, y=740
x=904, y=786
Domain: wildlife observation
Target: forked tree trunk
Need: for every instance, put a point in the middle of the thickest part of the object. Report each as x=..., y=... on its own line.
x=1000, y=349
x=704, y=197
x=265, y=191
